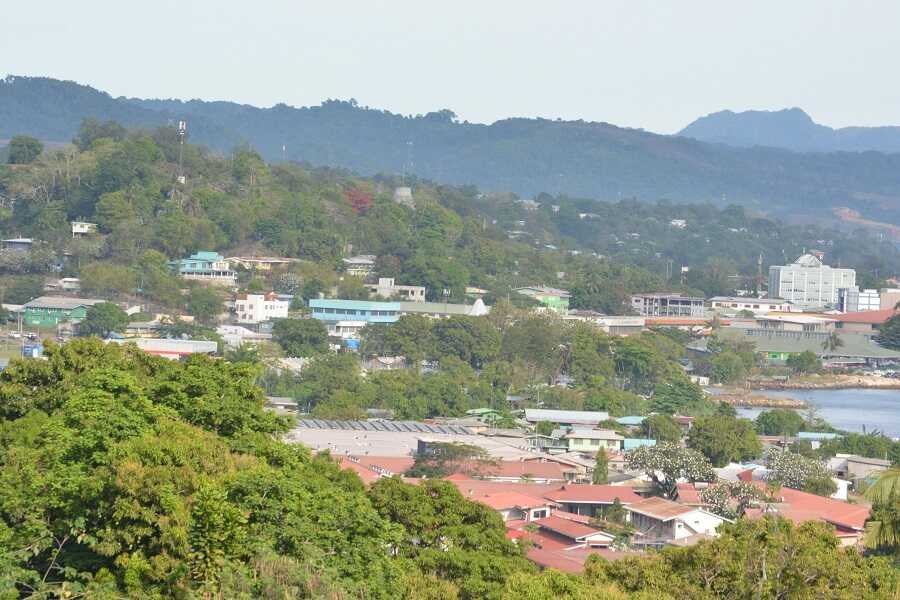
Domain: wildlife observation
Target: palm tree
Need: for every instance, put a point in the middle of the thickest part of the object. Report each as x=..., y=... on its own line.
x=884, y=528
x=832, y=342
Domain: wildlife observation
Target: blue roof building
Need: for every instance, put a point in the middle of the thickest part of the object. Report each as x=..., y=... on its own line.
x=333, y=310
x=205, y=266
x=632, y=443
x=817, y=436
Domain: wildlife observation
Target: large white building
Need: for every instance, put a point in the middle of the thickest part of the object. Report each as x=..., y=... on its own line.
x=808, y=283
x=387, y=288
x=256, y=308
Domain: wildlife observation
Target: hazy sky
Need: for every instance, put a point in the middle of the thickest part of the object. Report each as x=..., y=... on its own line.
x=656, y=65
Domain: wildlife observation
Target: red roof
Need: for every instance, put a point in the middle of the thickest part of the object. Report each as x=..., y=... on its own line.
x=570, y=529
x=570, y=561
x=593, y=494
x=365, y=474
x=688, y=494
x=800, y=507
x=505, y=500
x=872, y=317
x=393, y=464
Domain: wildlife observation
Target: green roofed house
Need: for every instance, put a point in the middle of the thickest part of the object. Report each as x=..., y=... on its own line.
x=555, y=299
x=208, y=267
x=49, y=311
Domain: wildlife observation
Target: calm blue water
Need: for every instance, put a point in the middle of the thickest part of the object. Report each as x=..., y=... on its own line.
x=851, y=410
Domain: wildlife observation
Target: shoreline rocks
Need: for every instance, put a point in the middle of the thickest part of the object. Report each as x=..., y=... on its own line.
x=831, y=382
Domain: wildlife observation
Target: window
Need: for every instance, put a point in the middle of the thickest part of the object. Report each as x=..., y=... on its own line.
x=539, y=514
x=595, y=442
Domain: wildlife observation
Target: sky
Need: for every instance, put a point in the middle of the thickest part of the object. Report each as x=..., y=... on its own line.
x=656, y=65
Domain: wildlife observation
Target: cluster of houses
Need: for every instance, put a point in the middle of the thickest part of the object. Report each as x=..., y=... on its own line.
x=544, y=493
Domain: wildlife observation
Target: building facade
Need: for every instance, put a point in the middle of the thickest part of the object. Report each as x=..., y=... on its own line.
x=387, y=288
x=359, y=266
x=358, y=313
x=208, y=267
x=754, y=305
x=667, y=305
x=49, y=311
x=854, y=300
x=256, y=308
x=809, y=283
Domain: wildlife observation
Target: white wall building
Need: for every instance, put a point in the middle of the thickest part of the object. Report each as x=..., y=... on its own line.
x=387, y=288
x=256, y=308
x=856, y=300
x=660, y=520
x=808, y=283
x=754, y=305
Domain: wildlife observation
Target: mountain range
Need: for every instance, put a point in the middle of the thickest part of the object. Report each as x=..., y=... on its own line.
x=791, y=129
x=526, y=156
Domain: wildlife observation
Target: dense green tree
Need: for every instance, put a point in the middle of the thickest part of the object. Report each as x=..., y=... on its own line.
x=23, y=150
x=662, y=428
x=889, y=333
x=779, y=421
x=471, y=339
x=105, y=279
x=677, y=396
x=103, y=319
x=727, y=367
x=724, y=439
x=301, y=337
x=446, y=458
x=804, y=362
x=601, y=468
x=204, y=303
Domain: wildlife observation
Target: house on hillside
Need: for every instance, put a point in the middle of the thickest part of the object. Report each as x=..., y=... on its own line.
x=361, y=265
x=660, y=521
x=206, y=267
x=49, y=311
x=257, y=308
x=553, y=298
x=514, y=506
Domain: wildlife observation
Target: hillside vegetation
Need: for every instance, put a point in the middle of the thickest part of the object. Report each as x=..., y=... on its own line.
x=526, y=156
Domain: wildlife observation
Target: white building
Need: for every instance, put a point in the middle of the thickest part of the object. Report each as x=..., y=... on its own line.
x=386, y=288
x=82, y=228
x=854, y=300
x=754, y=305
x=256, y=308
x=808, y=283
x=359, y=266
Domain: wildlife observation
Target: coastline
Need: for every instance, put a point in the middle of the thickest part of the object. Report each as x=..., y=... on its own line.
x=744, y=398
x=830, y=382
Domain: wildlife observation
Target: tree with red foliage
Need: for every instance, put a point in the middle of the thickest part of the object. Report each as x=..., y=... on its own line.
x=360, y=199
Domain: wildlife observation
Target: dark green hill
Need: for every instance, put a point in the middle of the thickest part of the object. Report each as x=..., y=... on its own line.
x=526, y=156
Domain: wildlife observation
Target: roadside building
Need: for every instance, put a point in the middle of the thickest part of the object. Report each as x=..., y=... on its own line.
x=667, y=305
x=808, y=283
x=49, y=311
x=732, y=304
x=206, y=267
x=257, y=308
x=387, y=288
x=361, y=265
x=555, y=299
x=856, y=300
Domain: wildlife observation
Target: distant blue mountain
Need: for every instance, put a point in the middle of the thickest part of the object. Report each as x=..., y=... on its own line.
x=791, y=129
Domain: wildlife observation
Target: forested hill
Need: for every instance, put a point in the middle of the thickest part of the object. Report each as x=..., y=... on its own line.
x=791, y=129
x=527, y=156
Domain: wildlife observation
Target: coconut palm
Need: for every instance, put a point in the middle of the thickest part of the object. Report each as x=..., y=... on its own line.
x=832, y=342
x=884, y=528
